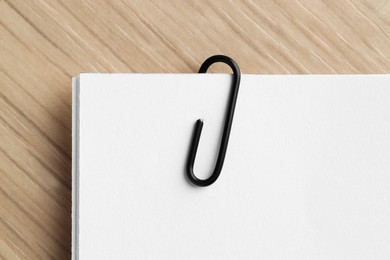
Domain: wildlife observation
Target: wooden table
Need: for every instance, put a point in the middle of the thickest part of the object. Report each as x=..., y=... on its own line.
x=44, y=43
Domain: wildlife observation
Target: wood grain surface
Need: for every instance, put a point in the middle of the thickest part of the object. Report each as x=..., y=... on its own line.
x=44, y=43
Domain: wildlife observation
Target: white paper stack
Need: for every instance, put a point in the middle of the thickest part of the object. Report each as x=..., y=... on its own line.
x=306, y=176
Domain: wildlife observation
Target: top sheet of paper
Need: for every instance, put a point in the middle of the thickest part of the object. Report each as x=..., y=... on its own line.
x=306, y=175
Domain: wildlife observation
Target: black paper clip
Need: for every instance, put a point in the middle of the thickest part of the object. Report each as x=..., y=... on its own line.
x=226, y=131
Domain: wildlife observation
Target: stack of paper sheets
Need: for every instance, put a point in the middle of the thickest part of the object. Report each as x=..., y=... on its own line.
x=306, y=176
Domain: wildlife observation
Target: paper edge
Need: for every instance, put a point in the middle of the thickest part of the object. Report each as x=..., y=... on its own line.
x=75, y=168
x=83, y=74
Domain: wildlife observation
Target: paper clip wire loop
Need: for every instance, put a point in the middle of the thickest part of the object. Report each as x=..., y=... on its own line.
x=226, y=131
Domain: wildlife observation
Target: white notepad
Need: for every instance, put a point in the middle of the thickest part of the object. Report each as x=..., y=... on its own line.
x=306, y=175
